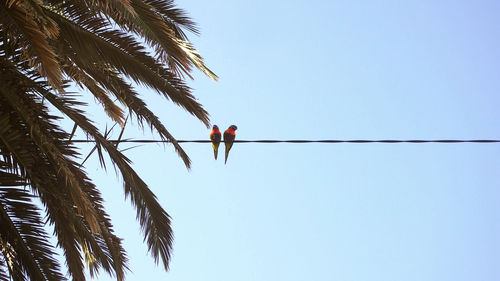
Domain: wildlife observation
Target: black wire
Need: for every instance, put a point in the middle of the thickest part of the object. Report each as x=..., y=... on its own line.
x=299, y=141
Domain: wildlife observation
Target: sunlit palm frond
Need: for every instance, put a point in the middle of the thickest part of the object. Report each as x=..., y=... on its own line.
x=91, y=48
x=14, y=265
x=174, y=15
x=32, y=39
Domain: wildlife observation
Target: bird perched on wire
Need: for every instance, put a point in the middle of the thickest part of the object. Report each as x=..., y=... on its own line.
x=215, y=137
x=229, y=136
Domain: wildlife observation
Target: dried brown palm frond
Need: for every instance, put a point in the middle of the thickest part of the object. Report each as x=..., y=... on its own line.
x=32, y=37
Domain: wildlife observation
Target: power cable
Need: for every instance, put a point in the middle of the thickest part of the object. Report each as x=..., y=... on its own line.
x=300, y=141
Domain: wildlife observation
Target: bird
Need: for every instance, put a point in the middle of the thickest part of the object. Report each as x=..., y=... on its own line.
x=215, y=137
x=229, y=136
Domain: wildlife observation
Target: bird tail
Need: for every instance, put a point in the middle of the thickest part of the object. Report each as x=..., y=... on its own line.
x=228, y=147
x=216, y=150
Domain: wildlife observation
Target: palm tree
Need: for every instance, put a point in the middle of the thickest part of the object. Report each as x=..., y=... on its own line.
x=45, y=45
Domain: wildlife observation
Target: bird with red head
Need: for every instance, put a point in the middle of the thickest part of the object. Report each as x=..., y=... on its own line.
x=215, y=137
x=229, y=136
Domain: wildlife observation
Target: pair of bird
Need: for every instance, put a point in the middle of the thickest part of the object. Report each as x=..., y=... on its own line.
x=229, y=136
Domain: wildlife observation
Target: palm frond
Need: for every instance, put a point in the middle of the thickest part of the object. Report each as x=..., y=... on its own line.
x=23, y=230
x=172, y=14
x=13, y=263
x=88, y=42
x=92, y=49
x=32, y=39
x=44, y=134
x=126, y=94
x=60, y=210
x=4, y=276
x=84, y=80
x=154, y=221
x=24, y=157
x=10, y=179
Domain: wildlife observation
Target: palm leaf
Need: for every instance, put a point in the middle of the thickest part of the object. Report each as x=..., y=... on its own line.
x=17, y=19
x=88, y=42
x=91, y=47
x=174, y=15
x=83, y=79
x=23, y=230
x=154, y=221
x=44, y=137
x=4, y=276
x=60, y=209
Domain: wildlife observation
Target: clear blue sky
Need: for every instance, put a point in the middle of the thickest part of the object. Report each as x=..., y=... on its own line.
x=340, y=70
